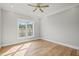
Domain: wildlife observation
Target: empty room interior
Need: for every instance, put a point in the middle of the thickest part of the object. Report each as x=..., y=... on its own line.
x=39, y=29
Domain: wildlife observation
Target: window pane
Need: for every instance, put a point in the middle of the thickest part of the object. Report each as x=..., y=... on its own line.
x=22, y=30
x=30, y=29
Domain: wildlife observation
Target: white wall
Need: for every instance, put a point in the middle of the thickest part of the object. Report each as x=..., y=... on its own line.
x=37, y=28
x=0, y=27
x=62, y=27
x=10, y=25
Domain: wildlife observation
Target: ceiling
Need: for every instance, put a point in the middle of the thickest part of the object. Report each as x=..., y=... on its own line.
x=23, y=8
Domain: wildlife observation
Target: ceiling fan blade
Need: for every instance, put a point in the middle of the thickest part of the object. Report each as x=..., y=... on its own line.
x=44, y=6
x=38, y=6
x=41, y=10
x=31, y=5
x=34, y=10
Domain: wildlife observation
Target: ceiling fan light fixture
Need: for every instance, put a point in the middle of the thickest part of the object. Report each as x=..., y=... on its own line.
x=39, y=6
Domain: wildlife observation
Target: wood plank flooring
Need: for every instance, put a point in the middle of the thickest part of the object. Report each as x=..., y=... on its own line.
x=38, y=48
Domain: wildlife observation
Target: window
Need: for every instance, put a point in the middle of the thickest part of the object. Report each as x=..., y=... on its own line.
x=25, y=28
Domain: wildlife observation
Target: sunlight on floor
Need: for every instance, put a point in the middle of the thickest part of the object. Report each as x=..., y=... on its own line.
x=21, y=53
x=17, y=50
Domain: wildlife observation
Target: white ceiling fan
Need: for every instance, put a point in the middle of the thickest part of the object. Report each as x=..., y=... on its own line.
x=38, y=6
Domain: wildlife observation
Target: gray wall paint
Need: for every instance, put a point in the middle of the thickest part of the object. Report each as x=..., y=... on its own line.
x=36, y=28
x=62, y=27
x=10, y=25
x=0, y=27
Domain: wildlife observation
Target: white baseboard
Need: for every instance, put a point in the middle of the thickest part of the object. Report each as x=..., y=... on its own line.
x=64, y=44
x=16, y=42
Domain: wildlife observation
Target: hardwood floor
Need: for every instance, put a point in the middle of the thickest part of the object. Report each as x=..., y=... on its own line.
x=38, y=48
